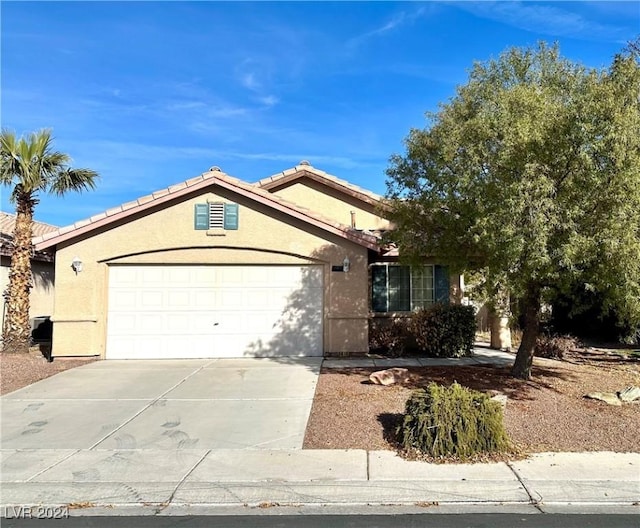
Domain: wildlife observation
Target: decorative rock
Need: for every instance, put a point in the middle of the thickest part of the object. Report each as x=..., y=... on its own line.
x=390, y=376
x=607, y=397
x=501, y=399
x=629, y=394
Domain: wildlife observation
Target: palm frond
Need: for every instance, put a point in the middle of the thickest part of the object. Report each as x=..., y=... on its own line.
x=32, y=165
x=76, y=180
x=9, y=159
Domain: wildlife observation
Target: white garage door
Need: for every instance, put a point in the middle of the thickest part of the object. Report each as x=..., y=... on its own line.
x=214, y=311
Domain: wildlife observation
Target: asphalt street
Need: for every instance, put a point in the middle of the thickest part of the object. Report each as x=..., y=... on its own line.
x=341, y=521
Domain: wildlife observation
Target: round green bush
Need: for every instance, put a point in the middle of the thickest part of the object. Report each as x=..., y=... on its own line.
x=444, y=330
x=452, y=421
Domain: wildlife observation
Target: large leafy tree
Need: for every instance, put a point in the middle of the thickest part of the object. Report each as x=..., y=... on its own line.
x=530, y=174
x=30, y=166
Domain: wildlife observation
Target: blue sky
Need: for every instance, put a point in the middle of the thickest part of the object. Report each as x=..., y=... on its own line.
x=153, y=93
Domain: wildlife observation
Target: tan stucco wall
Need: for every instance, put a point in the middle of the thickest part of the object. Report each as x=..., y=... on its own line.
x=41, y=296
x=167, y=236
x=332, y=204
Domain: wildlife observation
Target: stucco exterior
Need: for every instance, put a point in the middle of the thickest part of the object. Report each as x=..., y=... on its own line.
x=339, y=206
x=166, y=235
x=279, y=224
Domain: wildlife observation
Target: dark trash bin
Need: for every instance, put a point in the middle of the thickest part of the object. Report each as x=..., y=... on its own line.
x=41, y=329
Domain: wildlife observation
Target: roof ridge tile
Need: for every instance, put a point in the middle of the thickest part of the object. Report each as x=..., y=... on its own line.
x=323, y=174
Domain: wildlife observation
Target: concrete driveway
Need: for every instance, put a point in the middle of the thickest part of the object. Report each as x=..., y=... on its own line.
x=165, y=404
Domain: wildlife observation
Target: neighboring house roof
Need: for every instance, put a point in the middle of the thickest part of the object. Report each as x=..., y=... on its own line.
x=305, y=170
x=7, y=227
x=214, y=177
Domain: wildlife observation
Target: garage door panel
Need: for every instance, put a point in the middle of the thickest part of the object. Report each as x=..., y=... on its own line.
x=150, y=275
x=313, y=277
x=151, y=299
x=122, y=299
x=232, y=298
x=121, y=323
x=214, y=311
x=178, y=276
x=203, y=299
x=230, y=276
x=180, y=298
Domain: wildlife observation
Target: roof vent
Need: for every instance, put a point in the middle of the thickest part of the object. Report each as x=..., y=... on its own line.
x=305, y=162
x=215, y=168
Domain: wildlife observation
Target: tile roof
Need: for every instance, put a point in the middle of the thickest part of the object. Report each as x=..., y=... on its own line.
x=8, y=224
x=7, y=227
x=213, y=177
x=305, y=170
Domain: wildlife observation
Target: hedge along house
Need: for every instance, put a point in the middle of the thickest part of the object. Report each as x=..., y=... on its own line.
x=217, y=267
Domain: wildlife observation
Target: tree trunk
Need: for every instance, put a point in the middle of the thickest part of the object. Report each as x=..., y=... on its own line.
x=17, y=328
x=524, y=357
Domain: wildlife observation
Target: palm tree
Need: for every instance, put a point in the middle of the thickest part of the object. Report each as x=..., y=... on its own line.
x=29, y=166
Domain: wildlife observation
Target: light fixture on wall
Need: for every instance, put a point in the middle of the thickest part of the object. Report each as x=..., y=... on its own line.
x=346, y=264
x=76, y=264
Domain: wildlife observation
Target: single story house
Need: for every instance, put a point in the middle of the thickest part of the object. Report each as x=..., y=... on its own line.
x=42, y=269
x=217, y=267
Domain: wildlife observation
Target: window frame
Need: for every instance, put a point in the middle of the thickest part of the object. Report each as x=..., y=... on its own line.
x=412, y=302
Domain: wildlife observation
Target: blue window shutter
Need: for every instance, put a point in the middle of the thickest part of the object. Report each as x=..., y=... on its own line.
x=441, y=284
x=231, y=216
x=201, y=216
x=379, y=288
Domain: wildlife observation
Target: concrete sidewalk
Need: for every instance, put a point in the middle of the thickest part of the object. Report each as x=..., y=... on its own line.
x=481, y=356
x=153, y=482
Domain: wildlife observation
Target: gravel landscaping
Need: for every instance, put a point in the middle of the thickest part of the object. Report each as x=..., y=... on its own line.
x=547, y=413
x=20, y=370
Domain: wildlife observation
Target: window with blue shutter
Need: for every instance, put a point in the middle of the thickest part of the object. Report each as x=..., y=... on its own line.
x=231, y=216
x=396, y=288
x=201, y=216
x=379, y=288
x=442, y=284
x=216, y=215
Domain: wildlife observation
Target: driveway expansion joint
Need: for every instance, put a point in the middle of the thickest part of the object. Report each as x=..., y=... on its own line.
x=51, y=466
x=150, y=404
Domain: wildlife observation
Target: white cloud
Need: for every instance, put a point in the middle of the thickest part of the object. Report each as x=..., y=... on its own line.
x=254, y=78
x=145, y=154
x=248, y=80
x=396, y=21
x=550, y=20
x=185, y=105
x=269, y=100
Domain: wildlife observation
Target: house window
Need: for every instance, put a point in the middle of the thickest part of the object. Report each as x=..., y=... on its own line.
x=216, y=215
x=397, y=288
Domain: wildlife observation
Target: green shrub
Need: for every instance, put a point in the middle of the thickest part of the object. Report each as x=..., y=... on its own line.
x=444, y=330
x=452, y=421
x=388, y=337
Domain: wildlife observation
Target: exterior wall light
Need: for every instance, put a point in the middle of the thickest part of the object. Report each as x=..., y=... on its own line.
x=76, y=264
x=346, y=264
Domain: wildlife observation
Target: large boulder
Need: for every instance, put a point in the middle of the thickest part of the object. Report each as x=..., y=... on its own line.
x=608, y=397
x=390, y=376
